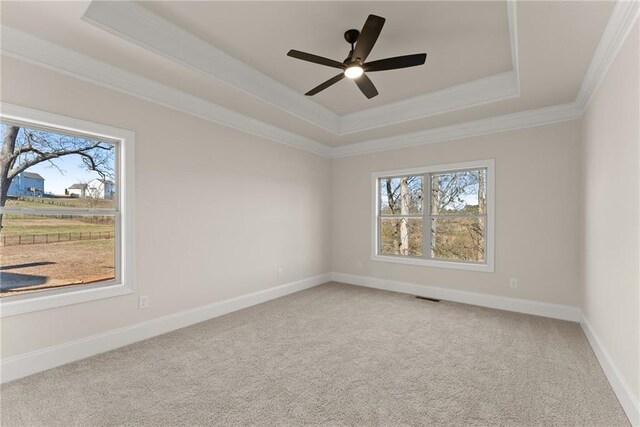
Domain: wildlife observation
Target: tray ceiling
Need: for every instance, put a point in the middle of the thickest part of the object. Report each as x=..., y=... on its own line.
x=469, y=74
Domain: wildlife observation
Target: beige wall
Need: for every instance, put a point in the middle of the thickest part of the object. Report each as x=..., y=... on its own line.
x=611, y=258
x=311, y=215
x=217, y=210
x=537, y=206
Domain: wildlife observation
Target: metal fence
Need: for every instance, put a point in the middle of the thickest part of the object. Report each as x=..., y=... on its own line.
x=36, y=239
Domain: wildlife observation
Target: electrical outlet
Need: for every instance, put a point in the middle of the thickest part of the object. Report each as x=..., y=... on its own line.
x=359, y=265
x=143, y=301
x=513, y=283
x=280, y=271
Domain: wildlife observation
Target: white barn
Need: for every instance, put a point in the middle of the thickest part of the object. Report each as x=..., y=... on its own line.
x=79, y=190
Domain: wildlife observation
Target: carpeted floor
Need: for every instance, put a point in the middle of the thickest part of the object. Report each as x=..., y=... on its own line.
x=334, y=355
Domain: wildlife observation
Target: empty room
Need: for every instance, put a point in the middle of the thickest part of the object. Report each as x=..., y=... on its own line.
x=292, y=213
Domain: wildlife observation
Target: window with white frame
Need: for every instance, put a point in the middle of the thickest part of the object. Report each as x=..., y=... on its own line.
x=439, y=216
x=66, y=207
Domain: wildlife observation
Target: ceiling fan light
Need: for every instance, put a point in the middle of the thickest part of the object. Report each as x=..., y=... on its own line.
x=353, y=72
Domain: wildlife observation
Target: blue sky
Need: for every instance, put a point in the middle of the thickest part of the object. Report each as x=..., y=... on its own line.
x=72, y=171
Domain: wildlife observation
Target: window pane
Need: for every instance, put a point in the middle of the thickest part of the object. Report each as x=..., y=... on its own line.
x=39, y=252
x=461, y=192
x=401, y=195
x=84, y=180
x=401, y=236
x=459, y=239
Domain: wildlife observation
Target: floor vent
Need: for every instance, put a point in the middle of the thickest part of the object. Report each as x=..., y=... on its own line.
x=428, y=299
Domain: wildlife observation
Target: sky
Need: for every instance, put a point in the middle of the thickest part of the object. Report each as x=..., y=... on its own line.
x=71, y=171
x=74, y=172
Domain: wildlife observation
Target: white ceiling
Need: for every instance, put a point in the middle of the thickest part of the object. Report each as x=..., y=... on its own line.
x=465, y=41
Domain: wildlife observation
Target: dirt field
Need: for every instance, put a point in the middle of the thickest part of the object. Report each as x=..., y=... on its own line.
x=27, y=268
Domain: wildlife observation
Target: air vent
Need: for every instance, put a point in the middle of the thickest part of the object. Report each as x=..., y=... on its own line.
x=427, y=299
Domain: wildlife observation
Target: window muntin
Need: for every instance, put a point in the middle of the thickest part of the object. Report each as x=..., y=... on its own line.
x=55, y=239
x=453, y=205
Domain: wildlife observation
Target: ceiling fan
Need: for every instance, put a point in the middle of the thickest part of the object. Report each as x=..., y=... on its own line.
x=354, y=67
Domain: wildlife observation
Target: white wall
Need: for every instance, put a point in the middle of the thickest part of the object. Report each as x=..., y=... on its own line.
x=217, y=210
x=611, y=257
x=537, y=198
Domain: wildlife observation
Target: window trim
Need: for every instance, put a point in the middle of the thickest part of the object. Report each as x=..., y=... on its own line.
x=125, y=251
x=487, y=266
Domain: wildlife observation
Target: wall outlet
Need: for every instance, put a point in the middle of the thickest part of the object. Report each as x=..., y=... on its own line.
x=143, y=301
x=359, y=265
x=280, y=271
x=513, y=283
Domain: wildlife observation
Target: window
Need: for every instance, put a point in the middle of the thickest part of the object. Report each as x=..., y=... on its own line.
x=439, y=216
x=66, y=214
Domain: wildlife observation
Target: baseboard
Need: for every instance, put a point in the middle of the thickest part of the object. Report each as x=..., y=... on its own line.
x=555, y=311
x=30, y=363
x=40, y=360
x=620, y=387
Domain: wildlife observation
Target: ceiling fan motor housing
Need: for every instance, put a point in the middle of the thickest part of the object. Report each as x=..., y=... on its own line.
x=351, y=36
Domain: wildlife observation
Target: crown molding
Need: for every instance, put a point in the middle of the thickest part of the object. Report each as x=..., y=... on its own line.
x=25, y=47
x=623, y=17
x=482, y=91
x=28, y=48
x=524, y=119
x=138, y=25
x=512, y=16
x=135, y=23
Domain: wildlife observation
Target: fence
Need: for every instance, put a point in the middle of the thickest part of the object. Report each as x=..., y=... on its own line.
x=91, y=219
x=36, y=239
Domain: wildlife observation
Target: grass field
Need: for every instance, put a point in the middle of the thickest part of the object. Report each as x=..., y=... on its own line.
x=29, y=224
x=59, y=202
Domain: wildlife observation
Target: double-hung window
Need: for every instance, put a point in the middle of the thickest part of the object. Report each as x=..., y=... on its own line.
x=66, y=211
x=440, y=216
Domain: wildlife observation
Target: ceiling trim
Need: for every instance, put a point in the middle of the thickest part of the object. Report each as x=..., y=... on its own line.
x=512, y=16
x=137, y=24
x=482, y=91
x=524, y=119
x=623, y=17
x=23, y=46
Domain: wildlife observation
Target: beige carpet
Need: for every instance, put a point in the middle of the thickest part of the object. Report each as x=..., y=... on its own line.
x=334, y=355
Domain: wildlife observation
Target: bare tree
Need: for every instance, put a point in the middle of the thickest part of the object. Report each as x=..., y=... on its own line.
x=23, y=148
x=404, y=197
x=404, y=210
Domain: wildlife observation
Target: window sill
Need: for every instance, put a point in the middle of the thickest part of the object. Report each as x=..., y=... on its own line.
x=487, y=268
x=33, y=303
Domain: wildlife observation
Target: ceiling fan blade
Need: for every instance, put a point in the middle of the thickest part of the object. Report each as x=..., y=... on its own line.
x=315, y=59
x=396, y=62
x=323, y=86
x=368, y=36
x=366, y=86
